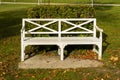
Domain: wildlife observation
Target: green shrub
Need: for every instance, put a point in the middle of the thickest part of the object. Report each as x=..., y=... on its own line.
x=61, y=12
x=48, y=11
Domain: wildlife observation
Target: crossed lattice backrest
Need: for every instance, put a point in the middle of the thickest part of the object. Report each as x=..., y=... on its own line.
x=59, y=26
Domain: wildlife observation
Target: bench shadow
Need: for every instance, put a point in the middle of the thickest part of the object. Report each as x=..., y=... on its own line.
x=105, y=43
x=71, y=48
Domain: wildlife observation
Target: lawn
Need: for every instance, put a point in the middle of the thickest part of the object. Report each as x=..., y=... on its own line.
x=67, y=1
x=108, y=18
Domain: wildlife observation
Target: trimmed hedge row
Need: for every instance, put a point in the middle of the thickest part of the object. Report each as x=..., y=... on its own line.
x=61, y=12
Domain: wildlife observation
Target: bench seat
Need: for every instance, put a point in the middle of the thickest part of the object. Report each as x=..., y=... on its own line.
x=62, y=40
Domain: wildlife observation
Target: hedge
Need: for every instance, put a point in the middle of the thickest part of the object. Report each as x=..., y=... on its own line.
x=45, y=11
x=60, y=12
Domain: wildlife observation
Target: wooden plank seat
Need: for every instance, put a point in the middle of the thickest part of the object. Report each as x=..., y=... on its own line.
x=66, y=41
x=61, y=40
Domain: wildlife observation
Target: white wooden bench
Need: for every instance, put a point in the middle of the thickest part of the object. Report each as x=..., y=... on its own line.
x=80, y=24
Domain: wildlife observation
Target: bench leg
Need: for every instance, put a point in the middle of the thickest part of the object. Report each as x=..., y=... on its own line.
x=62, y=52
x=22, y=52
x=100, y=51
x=59, y=51
x=94, y=49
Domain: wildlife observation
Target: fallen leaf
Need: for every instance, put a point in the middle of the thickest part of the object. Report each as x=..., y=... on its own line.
x=102, y=79
x=4, y=73
x=33, y=76
x=114, y=58
x=106, y=75
x=17, y=76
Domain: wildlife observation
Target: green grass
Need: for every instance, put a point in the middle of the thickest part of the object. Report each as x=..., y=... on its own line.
x=20, y=1
x=107, y=1
x=10, y=24
x=108, y=19
x=68, y=1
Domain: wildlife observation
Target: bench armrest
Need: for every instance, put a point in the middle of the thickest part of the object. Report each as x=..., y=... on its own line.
x=99, y=29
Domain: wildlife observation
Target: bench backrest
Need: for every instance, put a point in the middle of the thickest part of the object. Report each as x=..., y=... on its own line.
x=59, y=27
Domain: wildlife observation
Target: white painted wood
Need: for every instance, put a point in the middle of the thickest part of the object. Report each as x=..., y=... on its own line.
x=59, y=50
x=60, y=41
x=41, y=32
x=41, y=26
x=59, y=29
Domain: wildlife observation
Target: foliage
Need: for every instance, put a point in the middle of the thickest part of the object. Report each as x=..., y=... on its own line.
x=61, y=12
